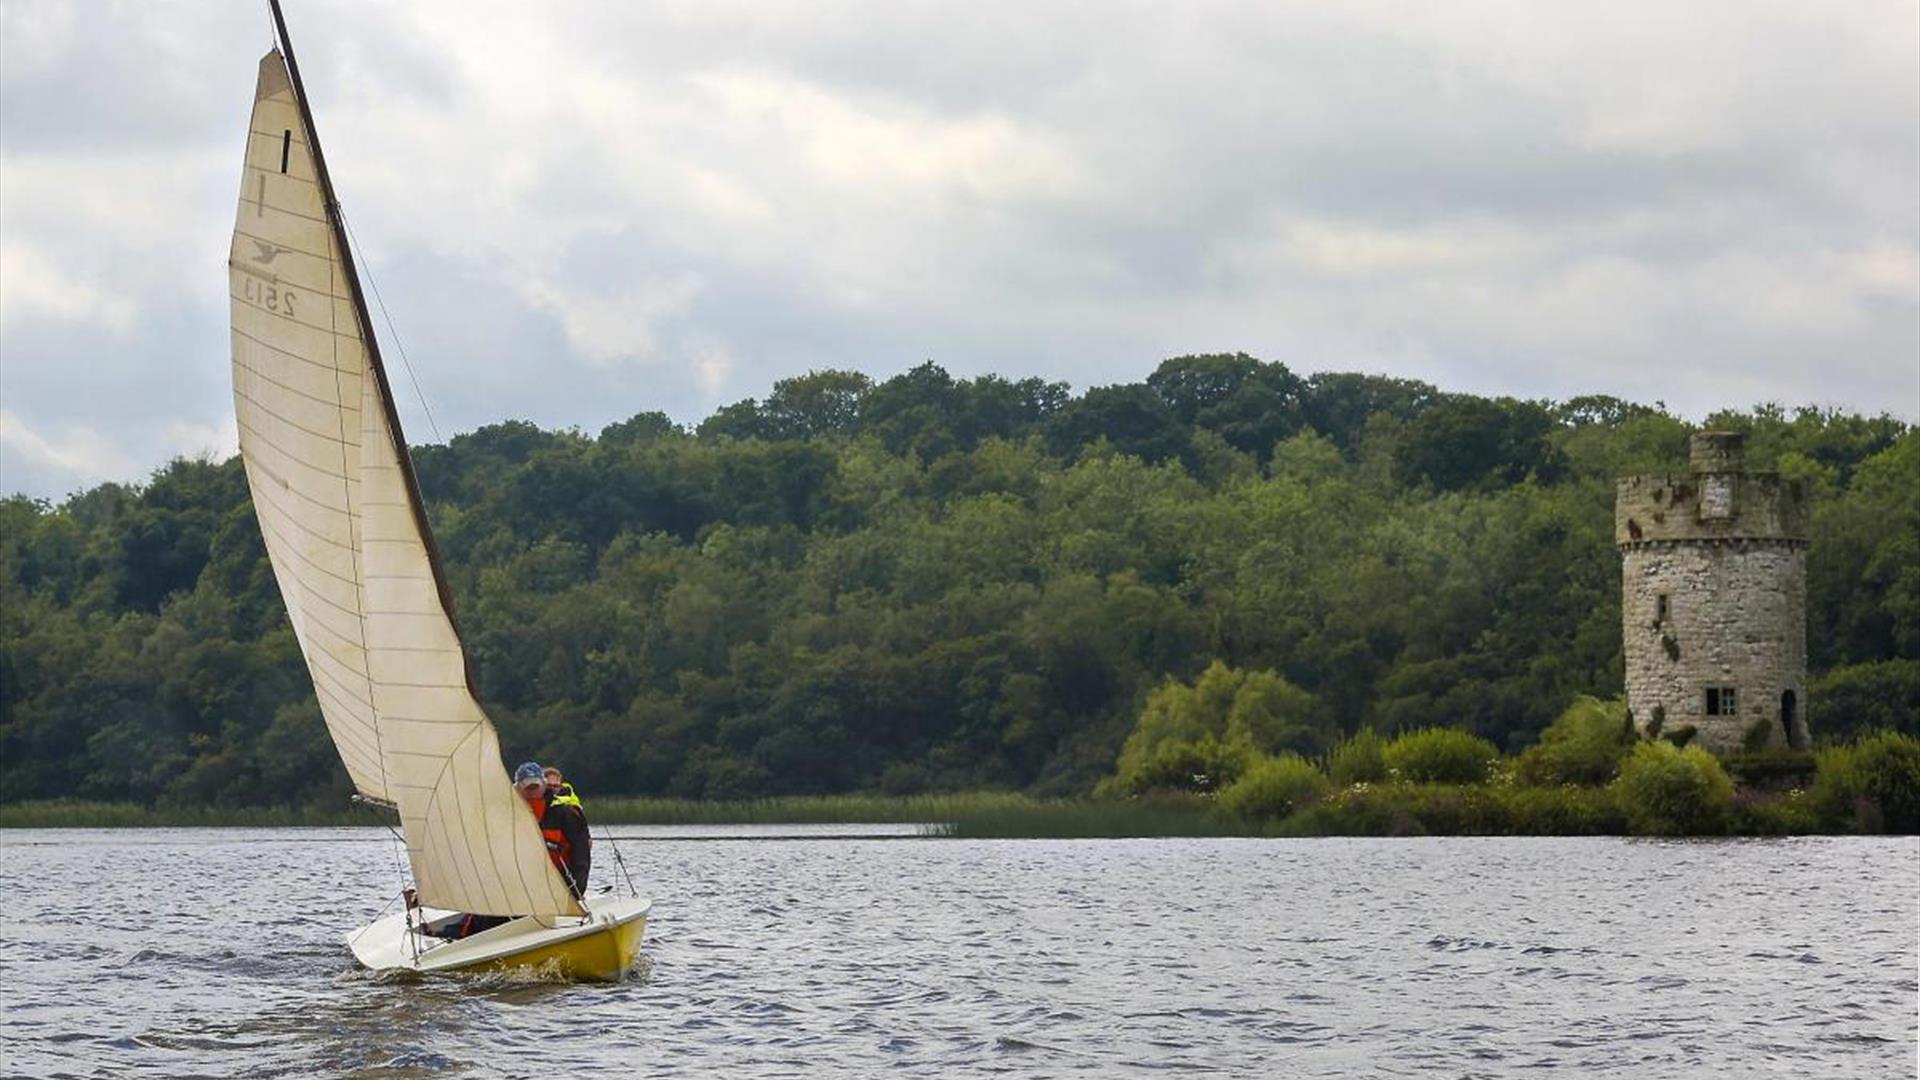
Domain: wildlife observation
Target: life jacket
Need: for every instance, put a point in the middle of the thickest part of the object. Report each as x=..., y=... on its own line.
x=559, y=848
x=566, y=797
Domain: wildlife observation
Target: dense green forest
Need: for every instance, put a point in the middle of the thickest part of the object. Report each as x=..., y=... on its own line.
x=931, y=583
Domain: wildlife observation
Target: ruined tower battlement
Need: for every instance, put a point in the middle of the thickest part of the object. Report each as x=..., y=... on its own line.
x=1716, y=499
x=1714, y=599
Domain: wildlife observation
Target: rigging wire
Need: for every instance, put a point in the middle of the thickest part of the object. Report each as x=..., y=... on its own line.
x=414, y=379
x=614, y=843
x=399, y=868
x=392, y=331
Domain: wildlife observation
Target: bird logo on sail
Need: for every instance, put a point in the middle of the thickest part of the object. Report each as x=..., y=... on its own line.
x=268, y=252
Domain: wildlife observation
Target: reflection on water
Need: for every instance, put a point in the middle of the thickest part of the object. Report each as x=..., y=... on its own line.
x=219, y=953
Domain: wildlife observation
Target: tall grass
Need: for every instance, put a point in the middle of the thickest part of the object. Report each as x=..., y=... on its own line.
x=1098, y=818
x=73, y=814
x=804, y=809
x=965, y=814
x=610, y=810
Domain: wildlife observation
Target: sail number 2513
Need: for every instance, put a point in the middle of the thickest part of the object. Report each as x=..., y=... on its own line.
x=272, y=297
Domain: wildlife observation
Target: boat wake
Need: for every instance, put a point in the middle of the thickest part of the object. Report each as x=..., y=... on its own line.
x=547, y=973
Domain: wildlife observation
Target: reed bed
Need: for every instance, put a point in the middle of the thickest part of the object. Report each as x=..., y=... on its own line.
x=803, y=809
x=1360, y=810
x=978, y=814
x=1095, y=819
x=75, y=814
x=606, y=810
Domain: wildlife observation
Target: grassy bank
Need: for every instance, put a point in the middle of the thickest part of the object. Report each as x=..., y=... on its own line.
x=1381, y=810
x=805, y=809
x=1392, y=808
x=607, y=810
x=983, y=814
x=65, y=814
x=1094, y=818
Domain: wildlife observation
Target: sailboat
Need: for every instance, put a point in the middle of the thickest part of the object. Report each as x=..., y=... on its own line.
x=346, y=532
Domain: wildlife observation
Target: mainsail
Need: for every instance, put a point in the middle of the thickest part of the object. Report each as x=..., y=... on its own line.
x=340, y=513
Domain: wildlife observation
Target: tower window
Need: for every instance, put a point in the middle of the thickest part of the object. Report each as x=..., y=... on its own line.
x=1660, y=608
x=1721, y=701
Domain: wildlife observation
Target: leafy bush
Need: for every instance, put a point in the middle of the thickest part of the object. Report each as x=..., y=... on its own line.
x=1274, y=788
x=1440, y=756
x=1358, y=759
x=1583, y=746
x=1764, y=813
x=1273, y=716
x=1169, y=716
x=1203, y=765
x=1256, y=711
x=1362, y=810
x=1775, y=769
x=1667, y=790
x=1563, y=811
x=1871, y=786
x=1459, y=809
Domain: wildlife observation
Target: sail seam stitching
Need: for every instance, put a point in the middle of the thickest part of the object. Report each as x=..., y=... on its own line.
x=288, y=387
x=346, y=490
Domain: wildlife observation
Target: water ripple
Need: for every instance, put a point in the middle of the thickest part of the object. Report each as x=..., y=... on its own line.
x=826, y=956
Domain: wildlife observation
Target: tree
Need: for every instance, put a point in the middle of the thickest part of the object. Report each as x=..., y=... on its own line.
x=1339, y=405
x=1192, y=385
x=817, y=404
x=910, y=412
x=1132, y=418
x=1465, y=441
x=741, y=420
x=638, y=428
x=1248, y=403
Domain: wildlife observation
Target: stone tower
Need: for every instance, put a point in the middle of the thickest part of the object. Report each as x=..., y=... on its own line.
x=1714, y=599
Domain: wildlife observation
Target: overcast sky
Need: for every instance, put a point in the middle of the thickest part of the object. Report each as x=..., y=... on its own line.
x=577, y=212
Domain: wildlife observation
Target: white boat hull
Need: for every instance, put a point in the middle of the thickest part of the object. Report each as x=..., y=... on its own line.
x=601, y=946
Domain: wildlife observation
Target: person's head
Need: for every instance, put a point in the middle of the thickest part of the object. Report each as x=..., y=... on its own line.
x=529, y=781
x=553, y=778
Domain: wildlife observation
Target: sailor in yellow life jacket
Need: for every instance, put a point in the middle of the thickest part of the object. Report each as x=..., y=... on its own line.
x=559, y=792
x=562, y=826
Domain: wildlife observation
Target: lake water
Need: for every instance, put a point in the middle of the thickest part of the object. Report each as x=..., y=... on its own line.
x=218, y=953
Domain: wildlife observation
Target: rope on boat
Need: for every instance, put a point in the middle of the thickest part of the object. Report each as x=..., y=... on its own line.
x=625, y=875
x=392, y=331
x=399, y=869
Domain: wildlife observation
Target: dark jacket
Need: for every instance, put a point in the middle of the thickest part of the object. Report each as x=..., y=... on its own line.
x=565, y=830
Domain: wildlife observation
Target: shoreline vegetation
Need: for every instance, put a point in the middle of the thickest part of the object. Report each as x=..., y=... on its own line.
x=1172, y=606
x=1871, y=786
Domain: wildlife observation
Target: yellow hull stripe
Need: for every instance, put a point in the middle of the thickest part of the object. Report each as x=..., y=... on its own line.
x=604, y=955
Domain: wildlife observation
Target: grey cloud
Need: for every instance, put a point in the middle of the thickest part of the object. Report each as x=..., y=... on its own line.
x=577, y=212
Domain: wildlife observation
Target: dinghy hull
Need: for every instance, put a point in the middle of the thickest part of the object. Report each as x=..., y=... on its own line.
x=601, y=947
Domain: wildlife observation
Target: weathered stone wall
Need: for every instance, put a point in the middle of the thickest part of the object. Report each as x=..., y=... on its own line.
x=1735, y=616
x=1714, y=597
x=1708, y=506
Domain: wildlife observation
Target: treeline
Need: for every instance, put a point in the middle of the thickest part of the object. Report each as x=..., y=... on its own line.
x=930, y=584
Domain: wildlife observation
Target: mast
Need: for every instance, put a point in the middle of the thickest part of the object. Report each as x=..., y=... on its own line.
x=338, y=225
